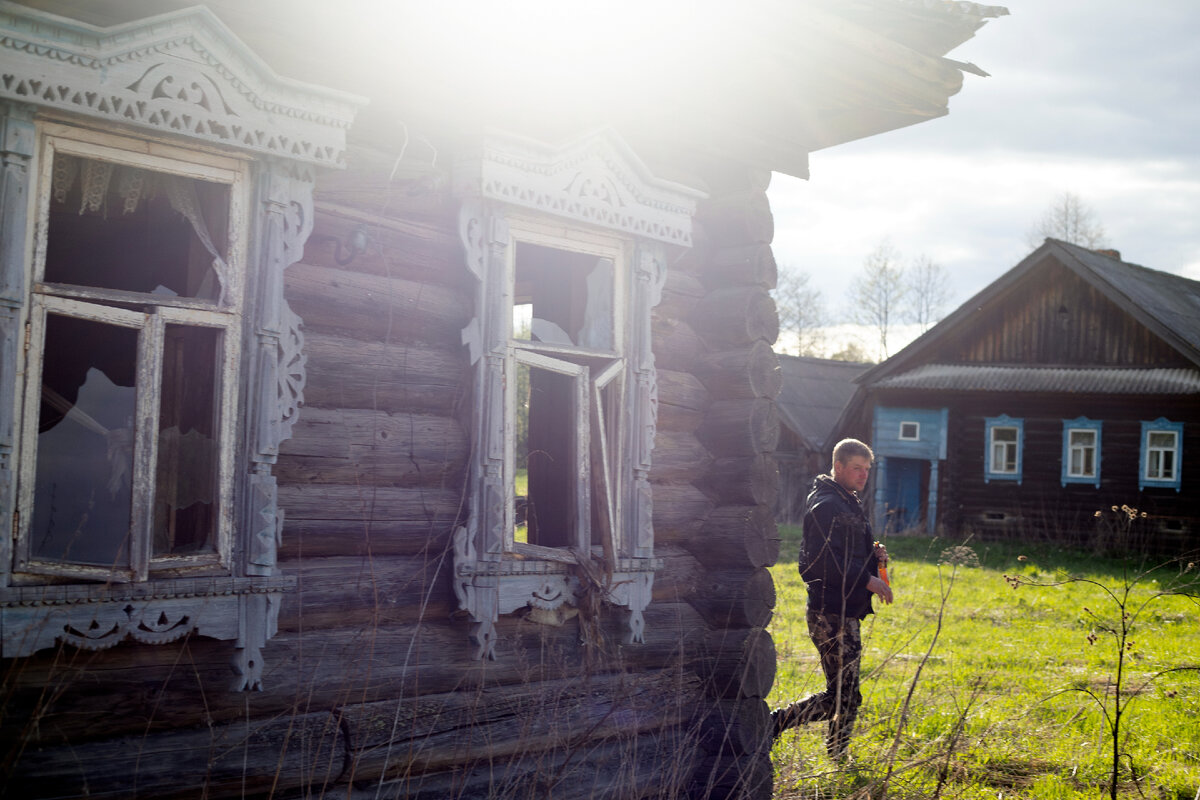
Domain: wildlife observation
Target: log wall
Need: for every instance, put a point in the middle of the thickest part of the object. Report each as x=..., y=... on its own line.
x=371, y=687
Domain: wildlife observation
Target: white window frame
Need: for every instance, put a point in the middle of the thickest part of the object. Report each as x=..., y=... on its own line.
x=916, y=431
x=590, y=427
x=1070, y=449
x=1156, y=479
x=88, y=303
x=583, y=194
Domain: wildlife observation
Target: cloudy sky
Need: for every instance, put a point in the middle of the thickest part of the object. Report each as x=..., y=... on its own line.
x=1096, y=97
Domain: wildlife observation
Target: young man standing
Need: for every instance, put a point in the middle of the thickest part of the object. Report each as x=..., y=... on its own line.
x=839, y=563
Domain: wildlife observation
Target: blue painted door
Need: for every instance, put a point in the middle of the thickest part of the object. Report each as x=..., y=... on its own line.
x=903, y=495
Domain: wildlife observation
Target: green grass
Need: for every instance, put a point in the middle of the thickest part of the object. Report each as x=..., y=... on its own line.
x=999, y=709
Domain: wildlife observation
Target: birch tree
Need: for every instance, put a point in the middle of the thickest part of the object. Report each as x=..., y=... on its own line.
x=1070, y=219
x=877, y=298
x=928, y=291
x=802, y=316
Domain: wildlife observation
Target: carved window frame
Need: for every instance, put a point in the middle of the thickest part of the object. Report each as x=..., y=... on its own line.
x=593, y=196
x=1071, y=446
x=990, y=463
x=180, y=85
x=1147, y=475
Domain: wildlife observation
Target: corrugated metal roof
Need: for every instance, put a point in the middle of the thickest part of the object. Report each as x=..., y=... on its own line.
x=814, y=392
x=1085, y=380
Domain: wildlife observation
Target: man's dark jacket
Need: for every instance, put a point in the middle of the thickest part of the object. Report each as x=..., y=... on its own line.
x=837, y=552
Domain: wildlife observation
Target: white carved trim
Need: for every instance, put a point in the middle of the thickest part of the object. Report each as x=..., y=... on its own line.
x=595, y=179
x=179, y=73
x=95, y=617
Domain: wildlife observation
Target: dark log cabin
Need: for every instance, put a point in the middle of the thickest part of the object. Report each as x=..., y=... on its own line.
x=445, y=419
x=1068, y=386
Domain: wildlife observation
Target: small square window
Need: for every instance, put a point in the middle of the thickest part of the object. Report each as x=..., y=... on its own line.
x=910, y=431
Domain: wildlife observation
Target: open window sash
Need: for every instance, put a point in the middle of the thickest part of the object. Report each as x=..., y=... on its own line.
x=579, y=537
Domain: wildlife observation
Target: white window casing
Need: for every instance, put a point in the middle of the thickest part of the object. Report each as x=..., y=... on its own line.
x=588, y=202
x=92, y=102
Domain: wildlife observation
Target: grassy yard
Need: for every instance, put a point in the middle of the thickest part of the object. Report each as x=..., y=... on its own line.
x=1006, y=705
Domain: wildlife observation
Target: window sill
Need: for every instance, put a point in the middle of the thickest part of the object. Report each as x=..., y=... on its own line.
x=98, y=616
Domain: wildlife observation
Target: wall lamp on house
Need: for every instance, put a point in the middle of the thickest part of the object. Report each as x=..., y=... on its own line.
x=356, y=246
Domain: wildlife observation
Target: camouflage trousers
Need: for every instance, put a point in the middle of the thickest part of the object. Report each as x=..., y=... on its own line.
x=839, y=644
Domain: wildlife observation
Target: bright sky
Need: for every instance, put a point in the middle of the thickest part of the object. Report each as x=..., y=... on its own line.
x=1096, y=97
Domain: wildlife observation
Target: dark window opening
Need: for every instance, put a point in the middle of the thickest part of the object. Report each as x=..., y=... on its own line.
x=549, y=456
x=83, y=483
x=128, y=229
x=563, y=298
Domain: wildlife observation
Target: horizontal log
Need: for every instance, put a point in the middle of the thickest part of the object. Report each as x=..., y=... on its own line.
x=740, y=427
x=738, y=217
x=738, y=663
x=679, y=511
x=411, y=247
x=743, y=480
x=352, y=373
x=744, y=373
x=680, y=294
x=376, y=307
x=358, y=447
x=680, y=575
x=732, y=176
x=244, y=758
x=678, y=457
x=737, y=727
x=741, y=265
x=416, y=735
x=390, y=179
x=736, y=317
x=736, y=598
x=675, y=345
x=682, y=399
x=380, y=590
x=737, y=537
x=139, y=691
x=361, y=520
x=649, y=765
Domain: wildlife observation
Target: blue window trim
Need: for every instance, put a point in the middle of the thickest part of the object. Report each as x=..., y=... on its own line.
x=1165, y=425
x=1002, y=421
x=1080, y=423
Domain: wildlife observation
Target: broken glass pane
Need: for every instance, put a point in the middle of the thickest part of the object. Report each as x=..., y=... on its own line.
x=565, y=298
x=84, y=473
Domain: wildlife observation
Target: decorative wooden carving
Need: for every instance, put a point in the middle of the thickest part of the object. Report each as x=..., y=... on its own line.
x=16, y=150
x=185, y=75
x=596, y=181
x=181, y=73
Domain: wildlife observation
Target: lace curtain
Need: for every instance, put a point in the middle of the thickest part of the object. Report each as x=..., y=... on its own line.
x=102, y=182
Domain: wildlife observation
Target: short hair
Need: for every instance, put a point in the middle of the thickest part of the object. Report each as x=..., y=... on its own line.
x=847, y=449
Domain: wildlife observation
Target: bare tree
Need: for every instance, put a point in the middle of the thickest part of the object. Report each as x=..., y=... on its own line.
x=802, y=316
x=1070, y=219
x=928, y=291
x=877, y=298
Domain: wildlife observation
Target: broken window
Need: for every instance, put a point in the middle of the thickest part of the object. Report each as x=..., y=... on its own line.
x=564, y=408
x=133, y=339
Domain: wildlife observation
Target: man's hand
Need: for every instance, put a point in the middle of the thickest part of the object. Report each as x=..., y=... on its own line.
x=880, y=588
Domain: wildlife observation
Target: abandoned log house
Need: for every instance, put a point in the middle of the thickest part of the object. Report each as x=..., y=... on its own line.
x=381, y=418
